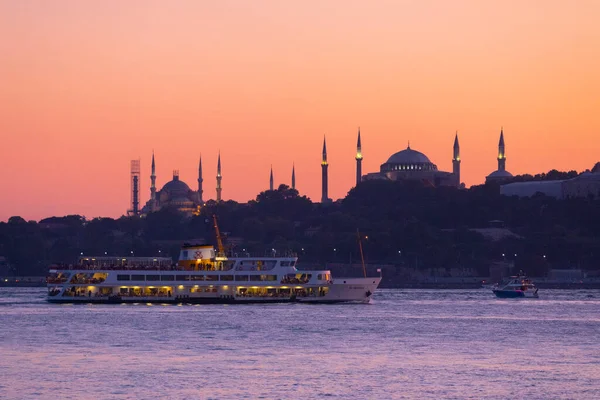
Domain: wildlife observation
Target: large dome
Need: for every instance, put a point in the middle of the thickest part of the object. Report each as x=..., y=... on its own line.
x=408, y=156
x=176, y=188
x=408, y=160
x=498, y=174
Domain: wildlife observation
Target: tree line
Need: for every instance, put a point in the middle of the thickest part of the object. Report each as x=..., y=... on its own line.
x=401, y=223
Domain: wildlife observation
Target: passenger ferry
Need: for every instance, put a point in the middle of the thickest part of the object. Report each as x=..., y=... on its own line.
x=201, y=276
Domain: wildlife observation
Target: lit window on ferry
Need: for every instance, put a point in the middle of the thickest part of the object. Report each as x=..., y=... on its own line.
x=123, y=277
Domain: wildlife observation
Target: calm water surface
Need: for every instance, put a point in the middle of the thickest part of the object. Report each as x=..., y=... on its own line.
x=406, y=344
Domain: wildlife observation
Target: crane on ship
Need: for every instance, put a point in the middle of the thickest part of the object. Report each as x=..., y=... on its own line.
x=220, y=247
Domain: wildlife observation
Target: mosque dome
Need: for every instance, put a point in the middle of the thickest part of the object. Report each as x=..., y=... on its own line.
x=176, y=188
x=408, y=160
x=408, y=156
x=498, y=174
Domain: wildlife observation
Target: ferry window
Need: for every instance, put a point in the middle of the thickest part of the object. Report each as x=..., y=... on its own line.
x=285, y=263
x=255, y=278
x=292, y=263
x=167, y=278
x=123, y=277
x=241, y=277
x=212, y=277
x=182, y=278
x=226, y=277
x=152, y=277
x=138, y=277
x=197, y=277
x=269, y=277
x=185, y=253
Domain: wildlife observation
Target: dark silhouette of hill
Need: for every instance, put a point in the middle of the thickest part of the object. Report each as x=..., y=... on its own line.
x=404, y=223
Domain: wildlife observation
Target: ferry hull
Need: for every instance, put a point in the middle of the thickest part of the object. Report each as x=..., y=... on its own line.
x=342, y=290
x=508, y=294
x=513, y=294
x=202, y=301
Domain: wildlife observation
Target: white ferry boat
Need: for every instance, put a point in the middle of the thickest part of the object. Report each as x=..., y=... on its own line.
x=201, y=276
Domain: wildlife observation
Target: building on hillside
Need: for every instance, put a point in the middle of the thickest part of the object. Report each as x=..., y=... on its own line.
x=501, y=174
x=585, y=185
x=529, y=189
x=174, y=194
x=412, y=165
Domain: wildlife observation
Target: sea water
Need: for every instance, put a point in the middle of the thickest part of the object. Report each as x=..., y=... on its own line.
x=405, y=344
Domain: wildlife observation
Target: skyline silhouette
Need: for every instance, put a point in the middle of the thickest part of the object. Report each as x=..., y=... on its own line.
x=87, y=87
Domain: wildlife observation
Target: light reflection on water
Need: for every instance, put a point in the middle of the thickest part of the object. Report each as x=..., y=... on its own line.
x=406, y=344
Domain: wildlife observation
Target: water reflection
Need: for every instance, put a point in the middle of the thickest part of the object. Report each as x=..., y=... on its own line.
x=407, y=343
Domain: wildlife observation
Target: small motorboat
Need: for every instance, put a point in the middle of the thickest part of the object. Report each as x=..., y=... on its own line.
x=516, y=286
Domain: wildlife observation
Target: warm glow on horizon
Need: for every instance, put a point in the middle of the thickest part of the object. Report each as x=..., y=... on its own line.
x=88, y=86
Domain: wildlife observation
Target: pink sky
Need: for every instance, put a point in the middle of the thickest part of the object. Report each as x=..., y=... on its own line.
x=86, y=86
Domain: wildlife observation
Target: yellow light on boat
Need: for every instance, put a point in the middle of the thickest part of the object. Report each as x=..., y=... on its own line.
x=298, y=287
x=269, y=287
x=284, y=287
x=254, y=287
x=150, y=287
x=180, y=287
x=195, y=286
x=225, y=287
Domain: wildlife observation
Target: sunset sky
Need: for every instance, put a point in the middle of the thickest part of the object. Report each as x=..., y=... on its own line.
x=87, y=86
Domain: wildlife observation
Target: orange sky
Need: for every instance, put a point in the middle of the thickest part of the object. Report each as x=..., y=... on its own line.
x=86, y=86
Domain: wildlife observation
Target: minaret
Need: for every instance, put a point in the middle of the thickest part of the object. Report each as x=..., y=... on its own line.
x=501, y=153
x=324, y=165
x=359, y=158
x=200, y=181
x=219, y=177
x=153, y=180
x=271, y=179
x=293, y=176
x=456, y=160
